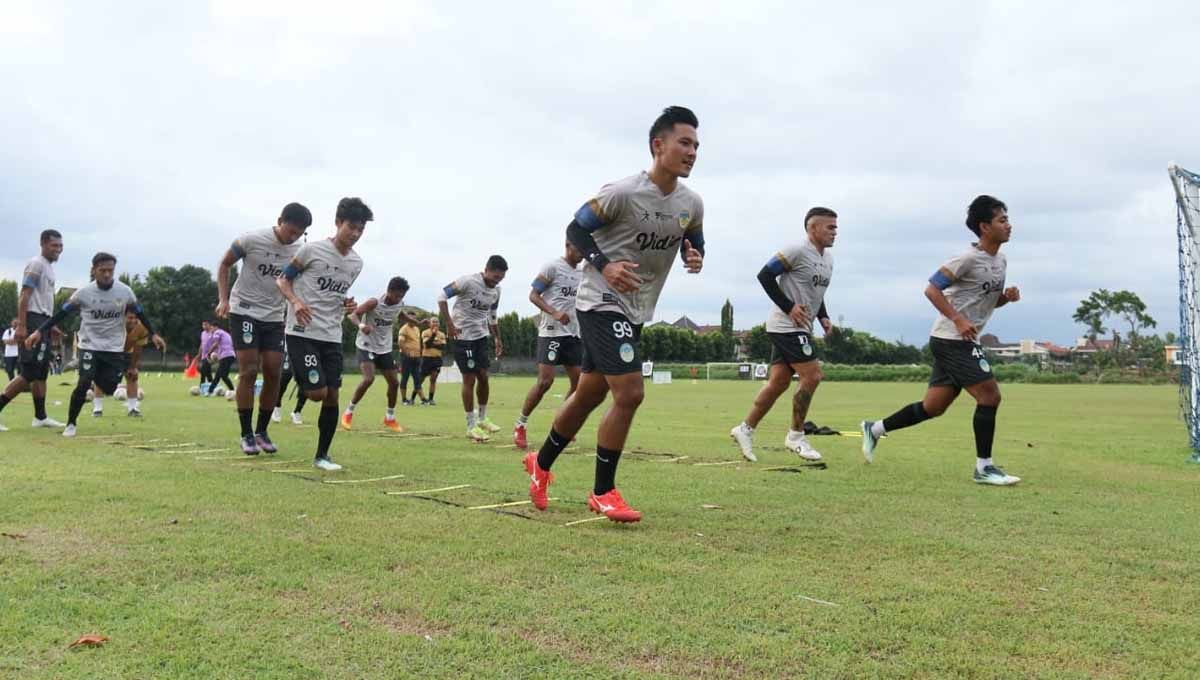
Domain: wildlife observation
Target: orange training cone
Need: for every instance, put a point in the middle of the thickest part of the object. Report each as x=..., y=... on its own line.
x=190, y=371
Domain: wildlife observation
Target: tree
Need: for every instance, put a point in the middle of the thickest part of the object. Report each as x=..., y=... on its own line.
x=1091, y=313
x=758, y=345
x=8, y=302
x=1123, y=305
x=727, y=318
x=177, y=300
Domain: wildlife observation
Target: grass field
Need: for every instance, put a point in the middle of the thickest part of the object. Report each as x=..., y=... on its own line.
x=197, y=562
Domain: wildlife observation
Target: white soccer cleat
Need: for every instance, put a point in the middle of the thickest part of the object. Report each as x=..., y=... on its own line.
x=275, y=416
x=46, y=422
x=296, y=419
x=70, y=431
x=326, y=464
x=2, y=428
x=745, y=441
x=797, y=443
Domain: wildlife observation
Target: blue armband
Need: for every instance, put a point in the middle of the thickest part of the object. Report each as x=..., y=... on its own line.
x=290, y=272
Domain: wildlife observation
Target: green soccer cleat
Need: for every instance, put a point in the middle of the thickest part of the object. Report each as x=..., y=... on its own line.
x=487, y=424
x=478, y=434
x=870, y=441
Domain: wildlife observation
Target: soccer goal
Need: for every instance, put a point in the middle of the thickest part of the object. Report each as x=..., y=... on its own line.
x=728, y=370
x=1187, y=221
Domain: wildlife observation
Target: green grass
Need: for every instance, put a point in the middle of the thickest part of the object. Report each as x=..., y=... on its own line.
x=224, y=569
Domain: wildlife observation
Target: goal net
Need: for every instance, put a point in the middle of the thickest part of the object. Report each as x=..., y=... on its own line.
x=730, y=370
x=1187, y=222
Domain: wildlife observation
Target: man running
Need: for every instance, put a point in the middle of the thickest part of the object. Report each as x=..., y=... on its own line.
x=220, y=345
x=630, y=235
x=255, y=310
x=473, y=320
x=553, y=292
x=137, y=336
x=433, y=342
x=965, y=291
x=102, y=305
x=796, y=280
x=35, y=304
x=376, y=318
x=315, y=284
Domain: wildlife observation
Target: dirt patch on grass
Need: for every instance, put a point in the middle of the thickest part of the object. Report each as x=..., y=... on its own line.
x=53, y=547
x=644, y=661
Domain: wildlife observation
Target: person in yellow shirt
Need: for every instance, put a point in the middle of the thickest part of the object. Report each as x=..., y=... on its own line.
x=136, y=339
x=433, y=341
x=409, y=342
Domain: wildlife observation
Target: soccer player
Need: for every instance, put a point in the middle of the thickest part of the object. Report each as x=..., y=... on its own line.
x=474, y=318
x=276, y=415
x=255, y=310
x=433, y=341
x=35, y=304
x=409, y=341
x=217, y=341
x=375, y=318
x=629, y=234
x=137, y=336
x=965, y=291
x=796, y=280
x=553, y=292
x=102, y=305
x=315, y=284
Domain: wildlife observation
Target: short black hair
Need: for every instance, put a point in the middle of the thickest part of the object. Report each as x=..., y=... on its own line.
x=983, y=209
x=497, y=263
x=103, y=257
x=818, y=211
x=294, y=213
x=50, y=234
x=398, y=283
x=353, y=209
x=667, y=120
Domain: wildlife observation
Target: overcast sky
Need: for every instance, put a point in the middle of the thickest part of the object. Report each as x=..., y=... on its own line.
x=161, y=131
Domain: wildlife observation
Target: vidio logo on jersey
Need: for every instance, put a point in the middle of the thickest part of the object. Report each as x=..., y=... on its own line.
x=331, y=285
x=270, y=270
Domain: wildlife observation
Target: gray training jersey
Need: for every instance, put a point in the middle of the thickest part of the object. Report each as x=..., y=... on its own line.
x=263, y=258
x=102, y=316
x=973, y=283
x=39, y=276
x=325, y=277
x=632, y=220
x=558, y=284
x=383, y=318
x=475, y=307
x=804, y=275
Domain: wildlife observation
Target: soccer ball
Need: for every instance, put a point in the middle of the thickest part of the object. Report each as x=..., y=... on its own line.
x=91, y=394
x=220, y=391
x=194, y=391
x=230, y=395
x=141, y=393
x=119, y=394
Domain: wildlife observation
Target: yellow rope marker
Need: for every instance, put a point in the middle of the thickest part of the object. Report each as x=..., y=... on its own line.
x=241, y=457
x=104, y=436
x=504, y=505
x=581, y=521
x=255, y=463
x=298, y=470
x=412, y=493
x=724, y=462
x=668, y=460
x=361, y=481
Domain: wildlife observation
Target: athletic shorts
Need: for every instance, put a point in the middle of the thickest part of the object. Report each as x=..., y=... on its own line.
x=611, y=343
x=106, y=369
x=384, y=361
x=562, y=350
x=315, y=363
x=35, y=363
x=250, y=333
x=958, y=363
x=430, y=365
x=410, y=365
x=473, y=356
x=792, y=348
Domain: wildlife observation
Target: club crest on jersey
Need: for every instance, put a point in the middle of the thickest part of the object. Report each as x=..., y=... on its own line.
x=985, y=366
x=626, y=352
x=313, y=376
x=247, y=338
x=685, y=218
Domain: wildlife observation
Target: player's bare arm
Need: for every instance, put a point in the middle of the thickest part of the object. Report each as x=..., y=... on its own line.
x=227, y=261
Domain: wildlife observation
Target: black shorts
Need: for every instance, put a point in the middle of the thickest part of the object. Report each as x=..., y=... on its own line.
x=384, y=361
x=611, y=343
x=958, y=363
x=561, y=350
x=473, y=356
x=792, y=348
x=35, y=363
x=430, y=365
x=106, y=369
x=250, y=333
x=315, y=363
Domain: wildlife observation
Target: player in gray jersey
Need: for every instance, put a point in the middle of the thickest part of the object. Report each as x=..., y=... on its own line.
x=553, y=292
x=102, y=305
x=630, y=235
x=795, y=279
x=316, y=284
x=470, y=324
x=35, y=304
x=376, y=320
x=255, y=310
x=964, y=290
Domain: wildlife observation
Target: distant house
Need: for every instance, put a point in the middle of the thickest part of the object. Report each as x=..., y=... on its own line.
x=1043, y=350
x=1173, y=354
x=1086, y=347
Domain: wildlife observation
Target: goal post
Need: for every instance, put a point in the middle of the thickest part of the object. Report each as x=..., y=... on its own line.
x=1187, y=224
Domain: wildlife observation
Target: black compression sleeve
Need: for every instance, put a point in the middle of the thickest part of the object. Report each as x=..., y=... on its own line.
x=582, y=240
x=54, y=320
x=767, y=278
x=821, y=313
x=141, y=316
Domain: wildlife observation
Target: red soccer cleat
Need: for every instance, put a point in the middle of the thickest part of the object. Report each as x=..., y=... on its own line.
x=539, y=481
x=347, y=421
x=612, y=506
x=519, y=437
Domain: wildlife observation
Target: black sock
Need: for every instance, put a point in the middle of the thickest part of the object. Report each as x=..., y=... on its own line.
x=985, y=430
x=39, y=407
x=554, y=445
x=908, y=416
x=300, y=400
x=606, y=470
x=244, y=419
x=326, y=427
x=4, y=399
x=264, y=419
x=77, y=398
